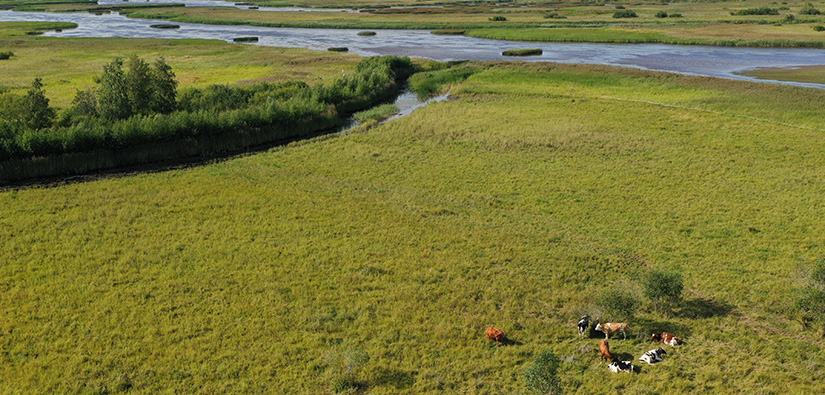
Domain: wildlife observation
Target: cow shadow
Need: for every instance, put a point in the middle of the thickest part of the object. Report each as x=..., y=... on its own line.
x=505, y=341
x=398, y=379
x=703, y=308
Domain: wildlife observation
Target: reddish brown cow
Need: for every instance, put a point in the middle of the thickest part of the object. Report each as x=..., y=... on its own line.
x=666, y=338
x=495, y=334
x=604, y=349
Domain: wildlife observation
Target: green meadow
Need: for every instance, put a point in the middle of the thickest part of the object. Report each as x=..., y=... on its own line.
x=66, y=65
x=382, y=256
x=811, y=74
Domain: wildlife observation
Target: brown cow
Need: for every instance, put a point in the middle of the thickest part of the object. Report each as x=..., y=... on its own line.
x=666, y=338
x=604, y=349
x=495, y=334
x=613, y=327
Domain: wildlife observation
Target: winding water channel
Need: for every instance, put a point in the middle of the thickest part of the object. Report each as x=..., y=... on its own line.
x=694, y=60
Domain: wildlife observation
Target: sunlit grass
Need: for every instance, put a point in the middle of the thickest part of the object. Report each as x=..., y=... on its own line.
x=509, y=206
x=66, y=65
x=811, y=74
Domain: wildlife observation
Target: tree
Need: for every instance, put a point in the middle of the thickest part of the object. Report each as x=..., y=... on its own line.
x=37, y=114
x=663, y=288
x=618, y=303
x=810, y=300
x=542, y=376
x=139, y=84
x=113, y=94
x=85, y=103
x=164, y=88
x=809, y=9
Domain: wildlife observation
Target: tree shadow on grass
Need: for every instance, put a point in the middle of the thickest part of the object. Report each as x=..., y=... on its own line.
x=398, y=379
x=704, y=308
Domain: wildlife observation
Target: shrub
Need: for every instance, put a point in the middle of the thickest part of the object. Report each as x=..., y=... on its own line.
x=554, y=15
x=497, y=18
x=37, y=113
x=675, y=15
x=661, y=14
x=617, y=303
x=624, y=14
x=338, y=49
x=366, y=33
x=6, y=54
x=523, y=52
x=663, y=288
x=245, y=39
x=343, y=366
x=757, y=11
x=542, y=376
x=619, y=7
x=819, y=28
x=808, y=9
x=810, y=300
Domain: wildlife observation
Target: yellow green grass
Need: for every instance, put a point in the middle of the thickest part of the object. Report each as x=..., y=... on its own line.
x=67, y=65
x=811, y=74
x=511, y=206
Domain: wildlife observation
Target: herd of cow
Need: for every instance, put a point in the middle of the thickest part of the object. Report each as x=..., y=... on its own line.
x=651, y=357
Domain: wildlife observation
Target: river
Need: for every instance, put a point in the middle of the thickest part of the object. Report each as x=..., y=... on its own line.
x=694, y=60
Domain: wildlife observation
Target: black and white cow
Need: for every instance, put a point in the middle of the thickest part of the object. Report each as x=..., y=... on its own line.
x=621, y=366
x=653, y=356
x=584, y=325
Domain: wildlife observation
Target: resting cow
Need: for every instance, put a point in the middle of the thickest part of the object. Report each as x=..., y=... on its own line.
x=621, y=366
x=495, y=334
x=653, y=356
x=666, y=338
x=584, y=324
x=613, y=327
x=604, y=349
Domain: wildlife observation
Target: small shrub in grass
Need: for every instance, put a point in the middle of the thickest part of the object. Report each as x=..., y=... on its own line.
x=245, y=39
x=619, y=7
x=6, y=54
x=542, y=376
x=497, y=18
x=338, y=49
x=343, y=366
x=663, y=288
x=624, y=14
x=757, y=11
x=366, y=34
x=675, y=15
x=661, y=14
x=523, y=52
x=810, y=301
x=819, y=28
x=554, y=15
x=617, y=303
x=808, y=9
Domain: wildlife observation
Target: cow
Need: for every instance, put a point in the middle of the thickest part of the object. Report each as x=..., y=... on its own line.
x=613, y=327
x=621, y=366
x=495, y=334
x=604, y=349
x=653, y=356
x=584, y=324
x=666, y=338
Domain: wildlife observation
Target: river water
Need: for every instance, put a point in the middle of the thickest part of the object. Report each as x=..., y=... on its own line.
x=694, y=60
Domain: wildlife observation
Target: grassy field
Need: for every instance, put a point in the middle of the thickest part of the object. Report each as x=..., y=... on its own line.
x=512, y=205
x=812, y=74
x=67, y=65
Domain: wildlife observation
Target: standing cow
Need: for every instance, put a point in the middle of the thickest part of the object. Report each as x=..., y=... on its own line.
x=604, y=349
x=495, y=334
x=583, y=325
x=613, y=327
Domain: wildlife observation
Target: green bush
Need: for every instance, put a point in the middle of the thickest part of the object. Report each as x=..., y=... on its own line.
x=542, y=376
x=366, y=33
x=338, y=49
x=6, y=54
x=808, y=9
x=757, y=11
x=343, y=366
x=675, y=15
x=620, y=7
x=661, y=14
x=554, y=15
x=497, y=18
x=523, y=52
x=617, y=303
x=663, y=288
x=624, y=14
x=819, y=28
